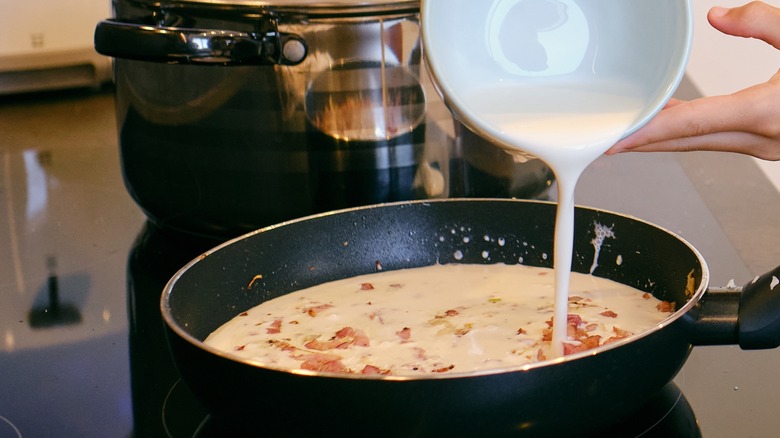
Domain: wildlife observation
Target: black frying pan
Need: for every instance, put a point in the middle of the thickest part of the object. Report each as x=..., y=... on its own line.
x=578, y=395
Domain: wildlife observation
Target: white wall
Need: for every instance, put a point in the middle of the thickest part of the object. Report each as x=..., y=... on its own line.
x=45, y=26
x=721, y=64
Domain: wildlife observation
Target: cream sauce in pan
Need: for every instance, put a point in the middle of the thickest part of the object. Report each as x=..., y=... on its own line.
x=437, y=319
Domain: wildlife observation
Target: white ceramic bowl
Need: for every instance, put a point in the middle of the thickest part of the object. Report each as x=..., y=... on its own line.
x=564, y=53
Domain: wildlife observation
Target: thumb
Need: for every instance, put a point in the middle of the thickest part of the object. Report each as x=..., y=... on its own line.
x=753, y=20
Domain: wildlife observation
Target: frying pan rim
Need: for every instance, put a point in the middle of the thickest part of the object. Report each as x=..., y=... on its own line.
x=185, y=335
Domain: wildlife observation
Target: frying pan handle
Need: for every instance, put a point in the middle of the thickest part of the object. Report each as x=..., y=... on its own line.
x=714, y=320
x=147, y=41
x=759, y=312
x=748, y=316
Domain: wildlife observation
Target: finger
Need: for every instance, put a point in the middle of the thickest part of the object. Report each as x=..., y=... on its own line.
x=687, y=119
x=753, y=111
x=637, y=138
x=739, y=142
x=753, y=20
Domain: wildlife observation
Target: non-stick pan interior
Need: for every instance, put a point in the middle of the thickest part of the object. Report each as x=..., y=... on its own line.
x=277, y=260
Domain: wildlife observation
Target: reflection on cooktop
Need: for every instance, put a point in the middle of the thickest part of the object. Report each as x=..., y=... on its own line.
x=51, y=308
x=667, y=415
x=154, y=258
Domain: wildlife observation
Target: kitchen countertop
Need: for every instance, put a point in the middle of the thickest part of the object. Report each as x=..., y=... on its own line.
x=68, y=225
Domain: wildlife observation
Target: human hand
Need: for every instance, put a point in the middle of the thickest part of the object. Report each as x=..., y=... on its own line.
x=746, y=122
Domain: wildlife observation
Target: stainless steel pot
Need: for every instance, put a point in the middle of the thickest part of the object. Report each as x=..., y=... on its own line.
x=238, y=114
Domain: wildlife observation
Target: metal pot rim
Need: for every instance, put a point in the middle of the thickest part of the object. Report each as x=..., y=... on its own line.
x=305, y=7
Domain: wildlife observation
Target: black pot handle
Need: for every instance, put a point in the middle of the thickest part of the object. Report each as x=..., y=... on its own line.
x=149, y=42
x=759, y=312
x=748, y=316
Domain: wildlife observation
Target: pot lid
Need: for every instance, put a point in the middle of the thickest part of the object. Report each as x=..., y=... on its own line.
x=309, y=6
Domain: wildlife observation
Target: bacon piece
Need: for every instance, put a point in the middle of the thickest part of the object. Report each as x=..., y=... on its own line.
x=343, y=339
x=573, y=322
x=318, y=345
x=573, y=318
x=591, y=341
x=665, y=307
x=314, y=310
x=371, y=370
x=275, y=327
x=366, y=286
x=443, y=369
x=578, y=330
x=353, y=337
x=374, y=370
x=571, y=331
x=586, y=343
x=619, y=334
x=345, y=332
x=404, y=333
x=647, y=296
x=360, y=339
x=323, y=362
x=609, y=314
x=282, y=345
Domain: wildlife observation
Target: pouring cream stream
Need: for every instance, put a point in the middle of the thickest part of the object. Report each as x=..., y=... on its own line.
x=568, y=141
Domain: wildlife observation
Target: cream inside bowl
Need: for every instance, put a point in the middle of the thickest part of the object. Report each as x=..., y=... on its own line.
x=516, y=71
